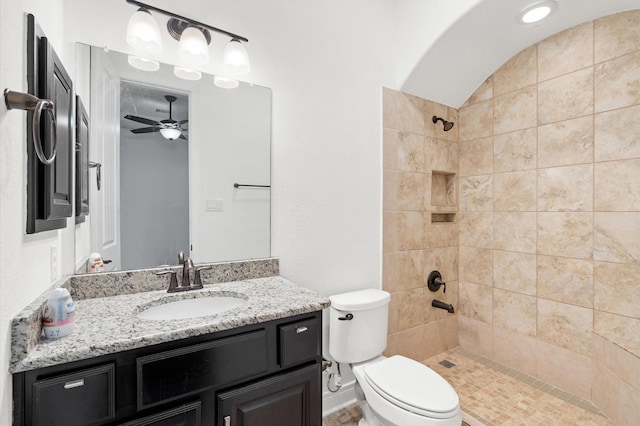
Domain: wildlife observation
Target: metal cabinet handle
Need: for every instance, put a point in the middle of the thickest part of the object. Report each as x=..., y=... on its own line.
x=227, y=420
x=301, y=330
x=98, y=167
x=74, y=384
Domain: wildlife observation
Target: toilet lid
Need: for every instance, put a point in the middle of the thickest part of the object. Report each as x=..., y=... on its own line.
x=413, y=386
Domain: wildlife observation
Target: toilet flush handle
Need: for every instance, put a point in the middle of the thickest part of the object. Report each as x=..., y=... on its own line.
x=347, y=317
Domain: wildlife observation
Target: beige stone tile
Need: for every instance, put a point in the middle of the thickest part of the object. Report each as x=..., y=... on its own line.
x=514, y=231
x=616, y=288
x=476, y=121
x=476, y=229
x=482, y=93
x=441, y=156
x=409, y=343
x=613, y=140
x=568, y=234
x=410, y=113
x=402, y=271
x=515, y=351
x=605, y=392
x=564, y=369
x=394, y=308
x=443, y=189
x=628, y=405
x=476, y=193
x=514, y=312
x=476, y=265
x=616, y=237
x=566, y=143
x=410, y=152
x=414, y=303
x=515, y=110
x=514, y=272
x=475, y=336
x=617, y=83
x=515, y=191
x=566, y=189
x=444, y=259
x=576, y=45
x=451, y=331
x=566, y=97
x=435, y=338
x=476, y=157
x=390, y=149
x=390, y=111
x=617, y=185
x=622, y=330
x=515, y=150
x=616, y=35
x=565, y=325
x=453, y=135
x=517, y=73
x=433, y=314
x=566, y=280
x=604, y=353
x=390, y=190
x=476, y=301
x=410, y=230
x=390, y=231
x=628, y=367
x=432, y=108
x=410, y=191
x=439, y=234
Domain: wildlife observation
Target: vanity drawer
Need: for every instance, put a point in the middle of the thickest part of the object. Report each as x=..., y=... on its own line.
x=81, y=398
x=169, y=375
x=299, y=342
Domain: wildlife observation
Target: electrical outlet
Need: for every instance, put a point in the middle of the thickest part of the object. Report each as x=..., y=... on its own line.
x=54, y=263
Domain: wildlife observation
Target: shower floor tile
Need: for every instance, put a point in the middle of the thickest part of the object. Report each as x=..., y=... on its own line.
x=492, y=394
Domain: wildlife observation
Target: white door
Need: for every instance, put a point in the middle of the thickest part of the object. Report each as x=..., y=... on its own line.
x=104, y=149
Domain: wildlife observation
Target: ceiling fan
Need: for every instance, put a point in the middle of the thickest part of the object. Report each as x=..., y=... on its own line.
x=169, y=128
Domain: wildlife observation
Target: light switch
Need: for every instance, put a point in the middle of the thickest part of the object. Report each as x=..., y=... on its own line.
x=213, y=205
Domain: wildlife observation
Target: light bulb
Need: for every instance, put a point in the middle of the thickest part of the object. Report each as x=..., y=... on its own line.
x=236, y=59
x=143, y=32
x=170, y=133
x=193, y=48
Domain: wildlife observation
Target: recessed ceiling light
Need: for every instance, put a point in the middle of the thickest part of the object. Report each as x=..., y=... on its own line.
x=537, y=11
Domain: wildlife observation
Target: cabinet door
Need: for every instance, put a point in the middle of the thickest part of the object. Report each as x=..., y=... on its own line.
x=291, y=399
x=186, y=415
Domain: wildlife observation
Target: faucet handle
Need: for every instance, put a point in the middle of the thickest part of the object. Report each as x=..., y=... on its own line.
x=197, y=283
x=173, y=282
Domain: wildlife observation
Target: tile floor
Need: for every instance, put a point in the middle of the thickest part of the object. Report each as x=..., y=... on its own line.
x=492, y=394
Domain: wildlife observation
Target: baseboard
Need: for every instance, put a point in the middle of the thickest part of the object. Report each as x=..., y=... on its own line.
x=334, y=401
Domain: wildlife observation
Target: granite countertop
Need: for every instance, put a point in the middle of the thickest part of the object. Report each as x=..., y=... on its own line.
x=106, y=325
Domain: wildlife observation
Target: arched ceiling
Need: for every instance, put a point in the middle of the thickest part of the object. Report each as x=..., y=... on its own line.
x=477, y=39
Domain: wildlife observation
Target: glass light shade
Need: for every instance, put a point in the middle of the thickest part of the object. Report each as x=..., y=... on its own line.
x=236, y=59
x=225, y=83
x=537, y=12
x=170, y=133
x=143, y=32
x=186, y=73
x=193, y=48
x=143, y=63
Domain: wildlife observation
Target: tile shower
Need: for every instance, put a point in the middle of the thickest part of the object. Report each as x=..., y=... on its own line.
x=530, y=208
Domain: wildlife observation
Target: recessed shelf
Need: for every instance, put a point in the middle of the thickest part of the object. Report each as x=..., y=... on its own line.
x=443, y=217
x=443, y=189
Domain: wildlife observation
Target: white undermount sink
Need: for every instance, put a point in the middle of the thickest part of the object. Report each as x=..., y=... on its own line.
x=191, y=308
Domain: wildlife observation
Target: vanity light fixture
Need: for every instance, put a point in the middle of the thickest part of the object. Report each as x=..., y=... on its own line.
x=186, y=73
x=537, y=11
x=225, y=83
x=193, y=36
x=143, y=63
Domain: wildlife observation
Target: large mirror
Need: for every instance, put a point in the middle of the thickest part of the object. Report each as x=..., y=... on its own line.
x=175, y=165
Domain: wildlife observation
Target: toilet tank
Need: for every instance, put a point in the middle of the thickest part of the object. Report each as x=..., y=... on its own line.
x=361, y=334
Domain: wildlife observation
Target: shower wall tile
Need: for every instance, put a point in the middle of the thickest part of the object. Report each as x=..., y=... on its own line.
x=476, y=121
x=410, y=230
x=482, y=93
x=439, y=234
x=517, y=73
x=476, y=157
x=514, y=312
x=453, y=134
x=514, y=231
x=606, y=392
x=515, y=350
x=515, y=150
x=566, y=97
x=566, y=280
x=515, y=191
x=576, y=45
x=402, y=271
x=410, y=191
x=564, y=369
x=566, y=234
x=616, y=237
x=617, y=83
x=476, y=301
x=613, y=138
x=412, y=313
x=410, y=113
x=616, y=35
x=394, y=308
x=565, y=325
x=390, y=190
x=620, y=329
x=475, y=336
x=514, y=272
x=566, y=189
x=617, y=288
x=440, y=155
x=476, y=265
x=390, y=231
x=515, y=110
x=476, y=193
x=617, y=186
x=410, y=152
x=432, y=129
x=444, y=260
x=476, y=229
x=566, y=143
x=390, y=149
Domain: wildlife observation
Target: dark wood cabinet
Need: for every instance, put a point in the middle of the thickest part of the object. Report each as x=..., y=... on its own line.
x=262, y=374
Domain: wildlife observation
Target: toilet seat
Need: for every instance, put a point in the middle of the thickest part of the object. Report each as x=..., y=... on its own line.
x=412, y=386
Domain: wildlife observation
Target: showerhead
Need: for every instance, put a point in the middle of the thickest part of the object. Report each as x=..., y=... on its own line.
x=448, y=125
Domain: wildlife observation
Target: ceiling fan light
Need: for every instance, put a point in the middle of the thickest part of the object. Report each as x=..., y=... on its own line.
x=143, y=32
x=236, y=59
x=143, y=63
x=186, y=73
x=225, y=83
x=170, y=133
x=193, y=48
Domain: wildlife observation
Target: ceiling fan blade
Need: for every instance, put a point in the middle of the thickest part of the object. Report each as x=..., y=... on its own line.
x=142, y=120
x=183, y=137
x=145, y=130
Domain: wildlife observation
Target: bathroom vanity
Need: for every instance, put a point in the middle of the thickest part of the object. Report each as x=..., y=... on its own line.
x=256, y=364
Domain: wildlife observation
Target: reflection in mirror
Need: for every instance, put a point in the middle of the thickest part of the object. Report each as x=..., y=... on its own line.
x=170, y=152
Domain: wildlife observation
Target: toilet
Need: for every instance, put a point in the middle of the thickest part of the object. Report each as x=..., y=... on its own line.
x=394, y=391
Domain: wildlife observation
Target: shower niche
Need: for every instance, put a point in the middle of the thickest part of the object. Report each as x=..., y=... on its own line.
x=444, y=196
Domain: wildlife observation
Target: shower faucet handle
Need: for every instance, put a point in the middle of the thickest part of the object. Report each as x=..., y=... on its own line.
x=434, y=282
